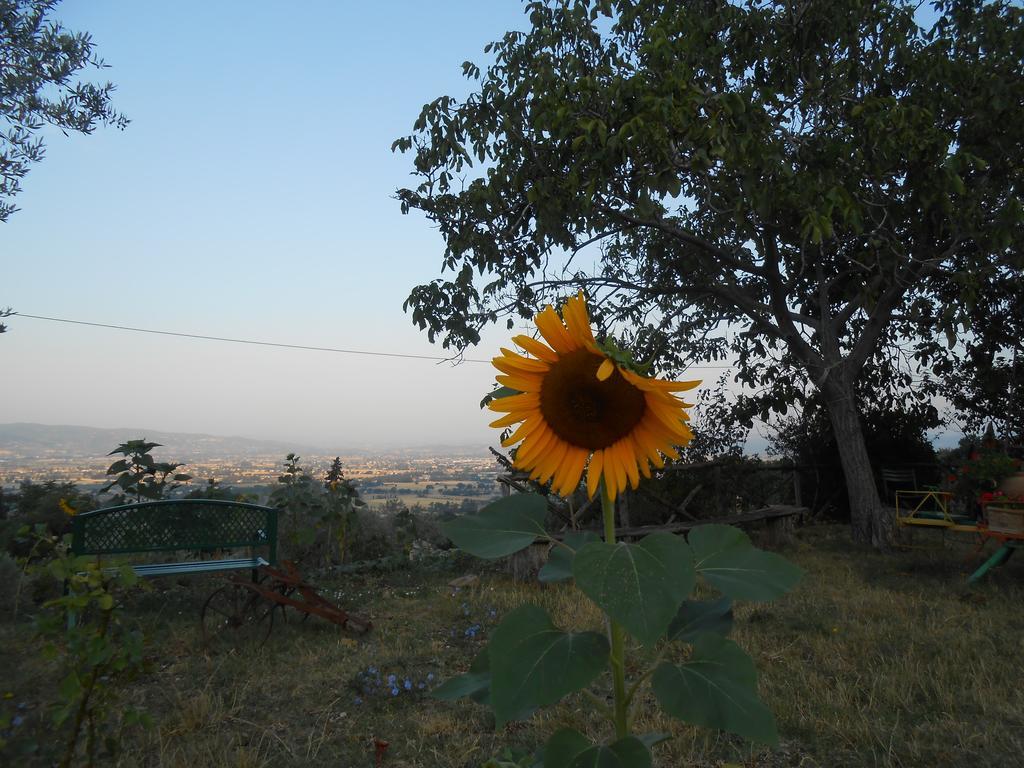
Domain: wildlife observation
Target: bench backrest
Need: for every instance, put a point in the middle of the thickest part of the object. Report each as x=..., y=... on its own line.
x=180, y=524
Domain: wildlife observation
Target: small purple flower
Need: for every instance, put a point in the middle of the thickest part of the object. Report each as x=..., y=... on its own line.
x=394, y=691
x=421, y=686
x=430, y=677
x=17, y=720
x=391, y=679
x=358, y=700
x=407, y=684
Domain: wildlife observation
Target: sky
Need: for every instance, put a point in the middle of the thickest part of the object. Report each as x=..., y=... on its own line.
x=251, y=196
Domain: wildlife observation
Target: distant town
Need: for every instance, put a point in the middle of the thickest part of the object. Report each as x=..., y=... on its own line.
x=395, y=477
x=463, y=476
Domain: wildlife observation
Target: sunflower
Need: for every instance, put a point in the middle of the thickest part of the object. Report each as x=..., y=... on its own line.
x=577, y=409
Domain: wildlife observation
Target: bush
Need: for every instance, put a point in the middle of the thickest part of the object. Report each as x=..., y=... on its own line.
x=47, y=504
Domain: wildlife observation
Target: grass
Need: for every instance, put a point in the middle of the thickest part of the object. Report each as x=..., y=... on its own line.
x=874, y=660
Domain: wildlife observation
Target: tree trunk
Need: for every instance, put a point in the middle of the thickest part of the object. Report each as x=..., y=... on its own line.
x=868, y=518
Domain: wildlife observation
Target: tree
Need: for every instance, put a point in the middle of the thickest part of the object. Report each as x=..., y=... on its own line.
x=986, y=385
x=818, y=176
x=39, y=60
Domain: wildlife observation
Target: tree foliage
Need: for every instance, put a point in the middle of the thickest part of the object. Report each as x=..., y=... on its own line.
x=829, y=179
x=39, y=63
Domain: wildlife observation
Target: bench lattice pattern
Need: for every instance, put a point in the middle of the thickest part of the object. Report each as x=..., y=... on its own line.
x=186, y=524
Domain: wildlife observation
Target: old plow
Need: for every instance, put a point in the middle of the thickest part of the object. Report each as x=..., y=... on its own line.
x=243, y=609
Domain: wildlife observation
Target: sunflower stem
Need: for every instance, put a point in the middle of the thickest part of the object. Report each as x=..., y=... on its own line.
x=616, y=636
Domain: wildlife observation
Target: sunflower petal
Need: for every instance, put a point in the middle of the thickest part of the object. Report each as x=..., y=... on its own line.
x=574, y=311
x=550, y=326
x=567, y=479
x=550, y=462
x=529, y=453
x=605, y=370
x=610, y=482
x=513, y=362
x=525, y=430
x=613, y=465
x=507, y=420
x=536, y=348
x=657, y=385
x=594, y=473
x=628, y=457
x=524, y=402
x=522, y=383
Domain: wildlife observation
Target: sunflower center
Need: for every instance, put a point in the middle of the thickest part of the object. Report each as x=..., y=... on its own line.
x=586, y=412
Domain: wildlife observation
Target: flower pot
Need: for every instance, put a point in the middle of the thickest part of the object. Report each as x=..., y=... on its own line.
x=1013, y=486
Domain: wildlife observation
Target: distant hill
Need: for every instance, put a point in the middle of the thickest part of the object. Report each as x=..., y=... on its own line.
x=38, y=441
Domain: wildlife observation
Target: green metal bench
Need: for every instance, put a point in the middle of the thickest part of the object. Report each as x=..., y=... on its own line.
x=194, y=525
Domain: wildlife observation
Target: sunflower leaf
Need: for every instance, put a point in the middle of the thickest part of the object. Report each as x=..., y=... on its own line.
x=716, y=688
x=696, y=616
x=726, y=558
x=533, y=663
x=563, y=747
x=476, y=683
x=559, y=564
x=639, y=585
x=501, y=528
x=628, y=752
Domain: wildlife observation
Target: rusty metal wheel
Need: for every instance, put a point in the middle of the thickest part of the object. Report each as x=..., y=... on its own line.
x=235, y=615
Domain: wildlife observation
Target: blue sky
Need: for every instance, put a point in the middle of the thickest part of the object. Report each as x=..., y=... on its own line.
x=251, y=196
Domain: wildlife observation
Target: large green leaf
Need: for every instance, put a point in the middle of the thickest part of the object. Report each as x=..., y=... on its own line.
x=534, y=664
x=501, y=528
x=727, y=559
x=639, y=585
x=696, y=616
x=628, y=752
x=559, y=564
x=716, y=688
x=476, y=683
x=564, y=746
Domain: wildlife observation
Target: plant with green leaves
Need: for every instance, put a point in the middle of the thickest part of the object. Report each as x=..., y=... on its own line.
x=301, y=498
x=581, y=412
x=138, y=474
x=340, y=507
x=85, y=632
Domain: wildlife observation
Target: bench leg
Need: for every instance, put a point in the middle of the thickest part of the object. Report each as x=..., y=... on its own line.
x=1000, y=556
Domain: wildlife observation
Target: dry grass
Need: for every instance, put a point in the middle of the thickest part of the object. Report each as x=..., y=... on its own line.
x=874, y=660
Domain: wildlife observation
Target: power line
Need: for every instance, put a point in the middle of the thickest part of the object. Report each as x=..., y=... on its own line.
x=251, y=341
x=281, y=344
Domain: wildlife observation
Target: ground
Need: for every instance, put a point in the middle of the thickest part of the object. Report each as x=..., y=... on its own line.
x=874, y=660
